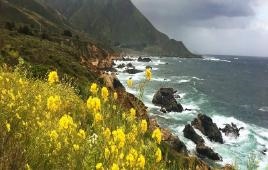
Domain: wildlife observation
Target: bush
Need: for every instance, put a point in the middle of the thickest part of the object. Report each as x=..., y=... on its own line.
x=67, y=33
x=45, y=125
x=25, y=30
x=10, y=26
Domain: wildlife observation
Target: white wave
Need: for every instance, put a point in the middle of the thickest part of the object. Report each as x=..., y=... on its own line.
x=196, y=78
x=236, y=58
x=184, y=81
x=264, y=109
x=160, y=79
x=182, y=95
x=215, y=59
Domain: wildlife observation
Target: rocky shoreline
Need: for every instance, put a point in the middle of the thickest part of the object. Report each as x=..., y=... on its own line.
x=171, y=145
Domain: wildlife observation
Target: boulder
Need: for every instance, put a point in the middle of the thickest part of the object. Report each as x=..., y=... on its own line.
x=164, y=98
x=145, y=59
x=190, y=133
x=231, y=129
x=117, y=84
x=132, y=71
x=127, y=59
x=206, y=151
x=121, y=65
x=205, y=124
x=130, y=65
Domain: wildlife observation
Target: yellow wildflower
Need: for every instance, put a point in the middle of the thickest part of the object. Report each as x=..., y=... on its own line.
x=141, y=161
x=130, y=82
x=104, y=93
x=94, y=88
x=148, y=73
x=107, y=134
x=158, y=155
x=94, y=104
x=106, y=153
x=53, y=135
x=53, y=77
x=143, y=126
x=99, y=166
x=121, y=156
x=58, y=146
x=119, y=137
x=66, y=122
x=115, y=96
x=115, y=167
x=53, y=103
x=8, y=127
x=81, y=134
x=157, y=135
x=98, y=117
x=27, y=167
x=132, y=114
x=76, y=147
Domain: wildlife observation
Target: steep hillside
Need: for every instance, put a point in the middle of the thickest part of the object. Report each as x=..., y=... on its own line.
x=33, y=13
x=119, y=23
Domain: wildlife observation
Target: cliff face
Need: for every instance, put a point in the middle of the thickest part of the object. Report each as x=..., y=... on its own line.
x=120, y=24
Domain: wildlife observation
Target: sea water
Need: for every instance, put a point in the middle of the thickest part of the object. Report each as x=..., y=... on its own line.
x=228, y=89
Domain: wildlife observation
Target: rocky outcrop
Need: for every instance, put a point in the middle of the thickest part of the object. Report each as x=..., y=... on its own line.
x=207, y=127
x=231, y=129
x=206, y=151
x=201, y=148
x=190, y=133
x=145, y=59
x=164, y=98
x=132, y=71
x=121, y=65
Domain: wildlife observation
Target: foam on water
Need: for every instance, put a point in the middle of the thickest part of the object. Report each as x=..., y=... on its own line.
x=215, y=59
x=264, y=109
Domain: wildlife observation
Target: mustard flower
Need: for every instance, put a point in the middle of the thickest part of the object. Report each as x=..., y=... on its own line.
x=106, y=153
x=158, y=155
x=53, y=103
x=99, y=166
x=130, y=82
x=115, y=167
x=66, y=122
x=53, y=135
x=141, y=161
x=132, y=114
x=98, y=117
x=119, y=137
x=82, y=134
x=8, y=127
x=94, y=104
x=104, y=93
x=94, y=88
x=53, y=77
x=107, y=134
x=157, y=135
x=148, y=73
x=130, y=160
x=143, y=126
x=115, y=96
x=76, y=147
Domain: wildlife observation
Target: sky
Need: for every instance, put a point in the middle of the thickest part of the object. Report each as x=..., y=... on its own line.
x=233, y=27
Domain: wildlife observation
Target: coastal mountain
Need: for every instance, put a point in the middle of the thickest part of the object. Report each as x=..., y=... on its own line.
x=119, y=24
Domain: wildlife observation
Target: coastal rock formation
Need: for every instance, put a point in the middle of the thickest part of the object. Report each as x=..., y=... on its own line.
x=201, y=148
x=207, y=127
x=190, y=133
x=164, y=97
x=145, y=59
x=121, y=65
x=231, y=129
x=132, y=71
x=206, y=151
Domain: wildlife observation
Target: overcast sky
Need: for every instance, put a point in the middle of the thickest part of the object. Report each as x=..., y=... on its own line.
x=236, y=27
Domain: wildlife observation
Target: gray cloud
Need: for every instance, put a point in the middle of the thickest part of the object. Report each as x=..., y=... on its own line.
x=209, y=26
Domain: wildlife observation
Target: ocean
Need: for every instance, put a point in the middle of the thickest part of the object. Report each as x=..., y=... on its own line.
x=226, y=88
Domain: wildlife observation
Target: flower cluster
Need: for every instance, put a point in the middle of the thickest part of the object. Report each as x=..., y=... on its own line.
x=53, y=77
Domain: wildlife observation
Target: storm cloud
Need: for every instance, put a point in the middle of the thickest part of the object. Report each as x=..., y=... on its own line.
x=235, y=27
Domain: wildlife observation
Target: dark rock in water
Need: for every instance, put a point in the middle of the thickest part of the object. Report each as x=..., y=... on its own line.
x=166, y=63
x=190, y=133
x=133, y=71
x=163, y=110
x=231, y=129
x=207, y=127
x=208, y=152
x=113, y=63
x=164, y=98
x=117, y=84
x=186, y=109
x=121, y=65
x=130, y=65
x=127, y=59
x=145, y=59
x=264, y=151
